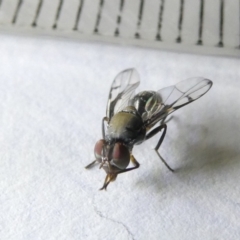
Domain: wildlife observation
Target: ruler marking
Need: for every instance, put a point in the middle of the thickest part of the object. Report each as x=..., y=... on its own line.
x=140, y=14
x=119, y=18
x=201, y=18
x=99, y=16
x=220, y=18
x=75, y=28
x=180, y=21
x=160, y=19
x=58, y=14
x=14, y=20
x=39, y=7
x=221, y=24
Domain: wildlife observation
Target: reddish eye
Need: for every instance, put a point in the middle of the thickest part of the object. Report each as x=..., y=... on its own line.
x=98, y=149
x=120, y=156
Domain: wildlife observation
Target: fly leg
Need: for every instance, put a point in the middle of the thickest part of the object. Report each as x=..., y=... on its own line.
x=104, y=150
x=91, y=164
x=103, y=127
x=154, y=132
x=164, y=122
x=103, y=136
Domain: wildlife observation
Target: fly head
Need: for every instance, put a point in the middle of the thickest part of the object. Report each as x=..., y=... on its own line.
x=113, y=158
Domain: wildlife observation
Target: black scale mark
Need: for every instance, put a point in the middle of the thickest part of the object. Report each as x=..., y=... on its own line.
x=119, y=18
x=180, y=21
x=99, y=16
x=160, y=18
x=14, y=20
x=75, y=28
x=140, y=14
x=58, y=14
x=39, y=7
x=201, y=17
x=221, y=23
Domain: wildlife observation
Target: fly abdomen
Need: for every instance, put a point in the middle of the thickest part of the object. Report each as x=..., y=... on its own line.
x=145, y=102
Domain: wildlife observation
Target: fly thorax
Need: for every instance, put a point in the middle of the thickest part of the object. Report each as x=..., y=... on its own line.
x=126, y=126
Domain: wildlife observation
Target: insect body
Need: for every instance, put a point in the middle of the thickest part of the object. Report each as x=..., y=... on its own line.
x=132, y=119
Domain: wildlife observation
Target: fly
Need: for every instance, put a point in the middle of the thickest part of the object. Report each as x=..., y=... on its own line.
x=132, y=119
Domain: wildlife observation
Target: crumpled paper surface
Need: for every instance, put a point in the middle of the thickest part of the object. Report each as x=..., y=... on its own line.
x=53, y=96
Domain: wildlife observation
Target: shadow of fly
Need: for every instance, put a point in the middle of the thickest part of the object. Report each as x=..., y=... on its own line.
x=134, y=118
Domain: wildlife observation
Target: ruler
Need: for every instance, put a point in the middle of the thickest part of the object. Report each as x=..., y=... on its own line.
x=200, y=26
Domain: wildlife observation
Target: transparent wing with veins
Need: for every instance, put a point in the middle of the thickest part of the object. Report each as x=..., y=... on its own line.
x=121, y=91
x=173, y=98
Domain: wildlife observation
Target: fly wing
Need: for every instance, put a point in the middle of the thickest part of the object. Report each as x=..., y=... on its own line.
x=122, y=89
x=175, y=97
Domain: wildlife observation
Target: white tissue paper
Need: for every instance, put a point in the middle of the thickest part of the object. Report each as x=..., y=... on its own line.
x=53, y=95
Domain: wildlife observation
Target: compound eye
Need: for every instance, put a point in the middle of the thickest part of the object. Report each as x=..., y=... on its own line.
x=98, y=149
x=120, y=156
